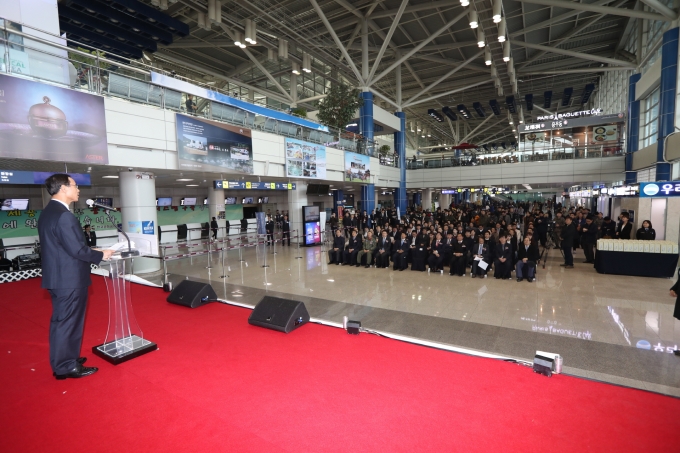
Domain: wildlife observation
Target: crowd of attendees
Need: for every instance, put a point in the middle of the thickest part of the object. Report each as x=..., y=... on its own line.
x=497, y=237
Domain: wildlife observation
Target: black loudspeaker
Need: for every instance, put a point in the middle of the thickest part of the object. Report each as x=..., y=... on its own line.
x=283, y=315
x=192, y=294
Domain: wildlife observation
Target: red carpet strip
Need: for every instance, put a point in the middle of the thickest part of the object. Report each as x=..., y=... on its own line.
x=217, y=384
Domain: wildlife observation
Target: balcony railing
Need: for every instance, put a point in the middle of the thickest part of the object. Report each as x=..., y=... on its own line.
x=104, y=74
x=550, y=154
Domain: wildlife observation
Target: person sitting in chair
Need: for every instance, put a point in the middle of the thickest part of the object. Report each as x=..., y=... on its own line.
x=527, y=257
x=335, y=253
x=480, y=252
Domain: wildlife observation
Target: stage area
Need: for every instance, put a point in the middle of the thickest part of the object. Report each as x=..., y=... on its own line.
x=217, y=384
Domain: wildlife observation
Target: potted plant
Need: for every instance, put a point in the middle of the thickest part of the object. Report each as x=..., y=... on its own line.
x=384, y=150
x=339, y=106
x=299, y=111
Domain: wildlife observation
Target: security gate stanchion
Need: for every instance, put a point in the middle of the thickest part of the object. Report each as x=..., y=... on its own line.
x=165, y=268
x=298, y=245
x=240, y=251
x=265, y=253
x=224, y=274
x=274, y=241
x=209, y=266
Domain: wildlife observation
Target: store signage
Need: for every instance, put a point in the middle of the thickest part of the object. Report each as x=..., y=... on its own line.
x=579, y=114
x=659, y=189
x=243, y=185
x=546, y=124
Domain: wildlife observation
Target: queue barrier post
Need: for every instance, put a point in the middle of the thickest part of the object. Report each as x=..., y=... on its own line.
x=298, y=245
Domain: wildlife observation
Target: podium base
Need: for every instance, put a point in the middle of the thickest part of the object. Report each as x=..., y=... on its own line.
x=128, y=348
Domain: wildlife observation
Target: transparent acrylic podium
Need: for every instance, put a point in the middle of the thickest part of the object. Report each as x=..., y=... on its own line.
x=124, y=339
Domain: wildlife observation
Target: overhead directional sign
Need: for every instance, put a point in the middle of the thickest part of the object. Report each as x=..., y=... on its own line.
x=246, y=185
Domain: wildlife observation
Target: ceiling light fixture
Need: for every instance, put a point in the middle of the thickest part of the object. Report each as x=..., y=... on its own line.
x=192, y=185
x=283, y=49
x=506, y=52
x=238, y=40
x=502, y=30
x=480, y=38
x=251, y=31
x=295, y=68
x=306, y=62
x=474, y=20
x=110, y=177
x=464, y=2
x=497, y=9
x=184, y=180
x=487, y=56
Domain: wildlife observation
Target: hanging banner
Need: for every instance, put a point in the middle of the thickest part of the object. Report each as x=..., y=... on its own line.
x=45, y=122
x=357, y=167
x=305, y=160
x=211, y=146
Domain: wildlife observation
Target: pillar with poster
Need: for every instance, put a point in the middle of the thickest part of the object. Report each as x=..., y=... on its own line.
x=312, y=227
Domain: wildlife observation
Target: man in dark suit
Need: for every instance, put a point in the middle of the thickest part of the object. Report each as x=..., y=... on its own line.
x=481, y=252
x=90, y=237
x=567, y=241
x=382, y=255
x=352, y=250
x=335, y=254
x=527, y=257
x=269, y=228
x=285, y=230
x=459, y=260
x=66, y=260
x=214, y=227
x=589, y=239
x=400, y=256
x=503, y=262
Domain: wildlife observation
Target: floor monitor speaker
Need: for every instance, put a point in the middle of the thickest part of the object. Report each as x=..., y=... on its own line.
x=284, y=315
x=192, y=294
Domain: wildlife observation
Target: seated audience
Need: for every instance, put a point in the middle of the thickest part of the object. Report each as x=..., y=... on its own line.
x=527, y=257
x=335, y=254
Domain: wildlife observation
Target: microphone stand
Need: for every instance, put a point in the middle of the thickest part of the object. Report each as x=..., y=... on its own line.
x=129, y=252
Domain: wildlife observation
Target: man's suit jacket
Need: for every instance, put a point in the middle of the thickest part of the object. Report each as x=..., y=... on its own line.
x=531, y=254
x=387, y=245
x=486, y=253
x=355, y=243
x=66, y=258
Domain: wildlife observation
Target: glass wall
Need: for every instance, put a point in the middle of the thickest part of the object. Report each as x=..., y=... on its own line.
x=649, y=119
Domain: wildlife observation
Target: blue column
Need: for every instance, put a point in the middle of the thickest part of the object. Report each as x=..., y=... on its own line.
x=400, y=148
x=338, y=198
x=669, y=73
x=368, y=198
x=633, y=140
x=417, y=199
x=366, y=119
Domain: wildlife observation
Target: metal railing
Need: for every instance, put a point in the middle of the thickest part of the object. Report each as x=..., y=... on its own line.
x=551, y=154
x=104, y=74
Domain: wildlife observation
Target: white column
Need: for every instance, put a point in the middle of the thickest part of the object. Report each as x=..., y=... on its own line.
x=138, y=203
x=427, y=199
x=215, y=202
x=296, y=200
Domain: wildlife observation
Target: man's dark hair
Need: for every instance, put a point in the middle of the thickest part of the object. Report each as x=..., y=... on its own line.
x=54, y=182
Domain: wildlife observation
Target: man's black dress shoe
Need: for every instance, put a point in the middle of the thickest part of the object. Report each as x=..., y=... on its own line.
x=79, y=360
x=78, y=372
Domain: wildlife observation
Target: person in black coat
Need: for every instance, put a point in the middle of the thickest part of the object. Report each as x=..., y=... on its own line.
x=481, y=251
x=567, y=241
x=588, y=239
x=608, y=228
x=400, y=255
x=503, y=262
x=459, y=260
x=269, y=227
x=66, y=260
x=285, y=230
x=382, y=254
x=527, y=257
x=448, y=247
x=436, y=259
x=352, y=249
x=213, y=227
x=90, y=236
x=624, y=230
x=646, y=233
x=675, y=290
x=335, y=254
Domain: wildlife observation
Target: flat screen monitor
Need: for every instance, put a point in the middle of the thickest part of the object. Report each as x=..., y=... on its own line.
x=164, y=201
x=13, y=204
x=188, y=201
x=205, y=201
x=265, y=199
x=311, y=214
x=104, y=201
x=230, y=200
x=248, y=200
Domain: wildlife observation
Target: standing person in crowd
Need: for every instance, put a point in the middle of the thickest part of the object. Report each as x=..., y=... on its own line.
x=527, y=257
x=334, y=223
x=269, y=228
x=190, y=104
x=213, y=227
x=559, y=224
x=588, y=239
x=368, y=245
x=625, y=229
x=66, y=260
x=285, y=229
x=335, y=254
x=646, y=232
x=90, y=236
x=608, y=228
x=675, y=292
x=567, y=240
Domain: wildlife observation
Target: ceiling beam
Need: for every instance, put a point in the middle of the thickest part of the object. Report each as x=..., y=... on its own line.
x=600, y=9
x=555, y=20
x=571, y=53
x=575, y=71
x=420, y=7
x=388, y=38
x=660, y=7
x=431, y=98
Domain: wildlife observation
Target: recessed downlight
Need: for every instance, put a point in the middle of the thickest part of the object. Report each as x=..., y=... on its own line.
x=110, y=177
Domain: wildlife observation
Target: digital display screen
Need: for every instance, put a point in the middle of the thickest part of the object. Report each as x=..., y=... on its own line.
x=13, y=204
x=164, y=201
x=248, y=200
x=312, y=233
x=104, y=201
x=311, y=214
x=189, y=202
x=265, y=199
x=230, y=200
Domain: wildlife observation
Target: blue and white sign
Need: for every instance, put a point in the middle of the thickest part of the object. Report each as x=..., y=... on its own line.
x=134, y=226
x=147, y=227
x=660, y=189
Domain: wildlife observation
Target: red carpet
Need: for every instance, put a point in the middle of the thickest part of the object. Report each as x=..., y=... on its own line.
x=218, y=384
